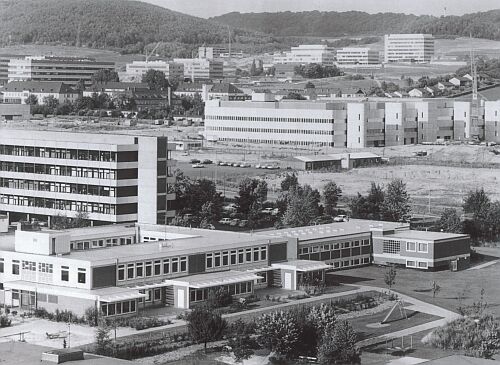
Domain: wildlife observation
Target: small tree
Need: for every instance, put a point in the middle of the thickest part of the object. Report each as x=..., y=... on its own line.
x=450, y=221
x=331, y=195
x=338, y=345
x=390, y=276
x=32, y=99
x=242, y=344
x=289, y=181
x=103, y=339
x=205, y=325
x=322, y=317
x=278, y=332
x=435, y=289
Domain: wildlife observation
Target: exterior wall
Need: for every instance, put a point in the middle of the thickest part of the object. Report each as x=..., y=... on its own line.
x=356, y=125
x=408, y=48
x=463, y=126
x=137, y=69
x=492, y=121
x=320, y=54
x=394, y=124
x=357, y=56
x=14, y=111
x=201, y=69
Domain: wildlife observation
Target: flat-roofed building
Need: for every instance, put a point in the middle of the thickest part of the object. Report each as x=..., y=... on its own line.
x=110, y=177
x=417, y=48
x=69, y=70
x=308, y=53
x=357, y=56
x=211, y=52
x=4, y=66
x=201, y=68
x=137, y=69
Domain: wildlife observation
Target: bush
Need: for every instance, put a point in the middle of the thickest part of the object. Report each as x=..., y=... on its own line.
x=140, y=323
x=219, y=297
x=5, y=321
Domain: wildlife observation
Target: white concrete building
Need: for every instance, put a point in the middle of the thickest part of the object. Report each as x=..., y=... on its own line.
x=211, y=52
x=417, y=48
x=357, y=56
x=201, y=68
x=305, y=53
x=111, y=177
x=135, y=70
x=17, y=92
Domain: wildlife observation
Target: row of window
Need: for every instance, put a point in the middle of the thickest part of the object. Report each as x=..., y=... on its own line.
x=198, y=295
x=417, y=264
x=64, y=153
x=394, y=247
x=57, y=187
x=283, y=142
x=333, y=246
x=108, y=242
x=417, y=247
x=111, y=309
x=61, y=170
x=235, y=257
x=45, y=268
x=269, y=119
x=349, y=263
x=147, y=269
x=59, y=204
x=272, y=130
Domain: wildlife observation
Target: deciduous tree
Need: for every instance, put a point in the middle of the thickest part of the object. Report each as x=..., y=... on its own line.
x=331, y=195
x=278, y=332
x=396, y=206
x=205, y=325
x=338, y=345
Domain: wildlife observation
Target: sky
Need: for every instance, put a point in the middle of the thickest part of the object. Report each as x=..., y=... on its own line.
x=208, y=8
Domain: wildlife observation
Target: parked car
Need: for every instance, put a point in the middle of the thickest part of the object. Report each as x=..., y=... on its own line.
x=207, y=162
x=234, y=222
x=194, y=160
x=225, y=221
x=420, y=153
x=267, y=211
x=197, y=165
x=258, y=166
x=243, y=223
x=341, y=218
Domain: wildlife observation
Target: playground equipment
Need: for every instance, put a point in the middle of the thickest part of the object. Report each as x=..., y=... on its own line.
x=402, y=310
x=404, y=349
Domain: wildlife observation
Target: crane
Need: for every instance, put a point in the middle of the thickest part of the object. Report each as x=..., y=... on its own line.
x=150, y=53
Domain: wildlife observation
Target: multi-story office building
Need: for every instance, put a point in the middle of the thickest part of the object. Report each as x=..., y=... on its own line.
x=69, y=70
x=137, y=69
x=17, y=92
x=4, y=67
x=308, y=53
x=110, y=177
x=357, y=56
x=201, y=68
x=211, y=52
x=349, y=122
x=417, y=48
x=122, y=269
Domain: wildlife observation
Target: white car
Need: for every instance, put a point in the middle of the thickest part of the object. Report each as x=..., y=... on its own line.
x=225, y=221
x=340, y=218
x=197, y=165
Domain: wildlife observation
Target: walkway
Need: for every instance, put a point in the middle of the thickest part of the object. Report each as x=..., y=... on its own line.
x=482, y=266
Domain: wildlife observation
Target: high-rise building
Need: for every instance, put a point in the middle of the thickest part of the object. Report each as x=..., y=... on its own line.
x=4, y=67
x=211, y=52
x=201, y=68
x=308, y=53
x=136, y=69
x=110, y=177
x=417, y=48
x=357, y=56
x=69, y=70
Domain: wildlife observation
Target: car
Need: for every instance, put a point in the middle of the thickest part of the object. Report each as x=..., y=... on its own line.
x=234, y=222
x=267, y=211
x=207, y=162
x=225, y=221
x=341, y=218
x=243, y=223
x=258, y=166
x=235, y=164
x=197, y=166
x=194, y=160
x=420, y=153
x=188, y=216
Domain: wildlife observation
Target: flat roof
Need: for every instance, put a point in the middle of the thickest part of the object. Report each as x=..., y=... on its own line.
x=15, y=352
x=213, y=279
x=337, y=156
x=425, y=235
x=353, y=226
x=302, y=265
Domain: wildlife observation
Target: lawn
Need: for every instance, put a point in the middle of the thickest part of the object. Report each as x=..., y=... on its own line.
x=465, y=284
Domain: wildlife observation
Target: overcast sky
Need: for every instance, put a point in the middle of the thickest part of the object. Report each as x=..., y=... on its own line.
x=208, y=8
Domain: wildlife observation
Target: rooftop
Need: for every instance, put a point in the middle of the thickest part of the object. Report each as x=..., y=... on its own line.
x=425, y=235
x=337, y=157
x=353, y=226
x=212, y=279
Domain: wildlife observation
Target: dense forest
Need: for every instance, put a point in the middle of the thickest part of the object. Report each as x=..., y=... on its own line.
x=336, y=24
x=123, y=25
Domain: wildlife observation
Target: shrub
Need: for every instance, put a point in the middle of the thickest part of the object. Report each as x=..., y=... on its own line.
x=5, y=321
x=139, y=323
x=278, y=331
x=219, y=297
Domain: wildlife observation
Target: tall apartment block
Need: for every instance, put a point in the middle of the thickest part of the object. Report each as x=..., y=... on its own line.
x=112, y=178
x=69, y=70
x=349, y=122
x=417, y=48
x=201, y=68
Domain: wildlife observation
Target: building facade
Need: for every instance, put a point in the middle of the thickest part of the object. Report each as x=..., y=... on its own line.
x=306, y=53
x=212, y=52
x=69, y=70
x=122, y=269
x=110, y=178
x=417, y=48
x=357, y=56
x=201, y=68
x=17, y=92
x=137, y=69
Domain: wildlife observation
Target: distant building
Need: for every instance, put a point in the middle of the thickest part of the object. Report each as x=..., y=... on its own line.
x=418, y=48
x=305, y=53
x=201, y=69
x=69, y=70
x=357, y=56
x=137, y=69
x=4, y=67
x=14, y=111
x=211, y=52
x=17, y=92
x=113, y=89
x=111, y=177
x=460, y=81
x=223, y=91
x=334, y=161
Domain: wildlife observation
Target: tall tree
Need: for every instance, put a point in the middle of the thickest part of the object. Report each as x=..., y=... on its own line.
x=250, y=191
x=390, y=276
x=105, y=75
x=302, y=206
x=368, y=207
x=278, y=332
x=331, y=195
x=477, y=203
x=338, y=345
x=289, y=181
x=450, y=221
x=396, y=206
x=205, y=325
x=51, y=103
x=156, y=80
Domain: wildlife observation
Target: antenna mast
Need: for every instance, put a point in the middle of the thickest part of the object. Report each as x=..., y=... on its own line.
x=475, y=102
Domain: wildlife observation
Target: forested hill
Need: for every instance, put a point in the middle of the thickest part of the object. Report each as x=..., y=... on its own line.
x=335, y=24
x=120, y=24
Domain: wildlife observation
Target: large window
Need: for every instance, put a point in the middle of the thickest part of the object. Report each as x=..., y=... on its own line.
x=411, y=246
x=149, y=268
x=391, y=246
x=64, y=273
x=423, y=247
x=139, y=269
x=166, y=266
x=82, y=276
x=121, y=272
x=130, y=271
x=15, y=267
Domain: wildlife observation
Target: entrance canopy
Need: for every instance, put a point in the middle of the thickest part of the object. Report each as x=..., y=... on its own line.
x=213, y=279
x=119, y=297
x=302, y=265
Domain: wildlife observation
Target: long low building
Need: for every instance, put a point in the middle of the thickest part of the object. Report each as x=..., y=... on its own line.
x=349, y=122
x=336, y=161
x=125, y=268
